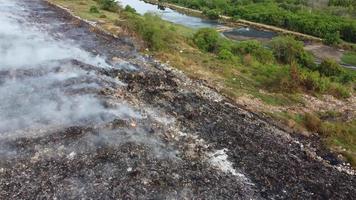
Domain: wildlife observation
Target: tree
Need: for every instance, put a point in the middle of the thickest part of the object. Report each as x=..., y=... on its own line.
x=332, y=38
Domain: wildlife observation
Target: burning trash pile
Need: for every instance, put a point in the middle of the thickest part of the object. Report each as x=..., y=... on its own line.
x=84, y=116
x=69, y=129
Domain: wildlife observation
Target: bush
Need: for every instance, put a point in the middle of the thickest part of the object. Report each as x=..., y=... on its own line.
x=130, y=9
x=207, y=39
x=330, y=68
x=312, y=122
x=254, y=48
x=287, y=50
x=225, y=44
x=284, y=79
x=109, y=5
x=211, y=13
x=225, y=54
x=339, y=91
x=294, y=76
x=94, y=9
x=247, y=60
x=307, y=60
x=345, y=78
x=332, y=38
x=155, y=32
x=274, y=78
x=312, y=81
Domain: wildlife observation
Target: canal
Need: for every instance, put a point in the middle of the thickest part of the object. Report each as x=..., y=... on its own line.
x=168, y=14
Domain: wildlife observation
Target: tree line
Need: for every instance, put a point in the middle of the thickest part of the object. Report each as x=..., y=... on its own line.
x=290, y=14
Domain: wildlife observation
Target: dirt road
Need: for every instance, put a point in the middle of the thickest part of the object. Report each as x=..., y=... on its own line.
x=84, y=116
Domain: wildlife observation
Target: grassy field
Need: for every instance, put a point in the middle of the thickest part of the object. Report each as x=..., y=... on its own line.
x=349, y=58
x=237, y=76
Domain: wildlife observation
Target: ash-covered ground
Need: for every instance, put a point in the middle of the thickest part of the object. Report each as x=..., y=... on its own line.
x=84, y=116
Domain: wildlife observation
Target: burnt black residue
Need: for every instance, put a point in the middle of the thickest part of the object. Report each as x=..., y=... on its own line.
x=279, y=167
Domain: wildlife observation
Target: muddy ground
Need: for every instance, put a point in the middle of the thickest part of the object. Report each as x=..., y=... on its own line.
x=182, y=140
x=321, y=52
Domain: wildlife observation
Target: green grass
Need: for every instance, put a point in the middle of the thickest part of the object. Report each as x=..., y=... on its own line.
x=349, y=58
x=341, y=136
x=82, y=9
x=338, y=135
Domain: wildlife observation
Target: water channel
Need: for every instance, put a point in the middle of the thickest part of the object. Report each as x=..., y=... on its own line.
x=239, y=33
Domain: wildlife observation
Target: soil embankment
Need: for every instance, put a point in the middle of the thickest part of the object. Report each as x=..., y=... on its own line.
x=145, y=131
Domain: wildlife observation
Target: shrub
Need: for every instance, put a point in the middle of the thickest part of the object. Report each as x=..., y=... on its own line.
x=345, y=78
x=307, y=60
x=312, y=122
x=94, y=9
x=129, y=22
x=339, y=91
x=247, y=60
x=254, y=48
x=211, y=13
x=330, y=68
x=130, y=9
x=206, y=39
x=109, y=5
x=279, y=81
x=294, y=76
x=312, y=81
x=332, y=38
x=155, y=32
x=287, y=50
x=247, y=47
x=286, y=79
x=225, y=54
x=225, y=44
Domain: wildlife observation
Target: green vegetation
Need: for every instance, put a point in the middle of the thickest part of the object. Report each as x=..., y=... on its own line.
x=94, y=9
x=332, y=38
x=211, y=13
x=294, y=15
x=300, y=74
x=330, y=68
x=343, y=3
x=349, y=58
x=255, y=49
x=277, y=73
x=130, y=9
x=109, y=5
x=341, y=136
x=288, y=50
x=207, y=39
x=156, y=34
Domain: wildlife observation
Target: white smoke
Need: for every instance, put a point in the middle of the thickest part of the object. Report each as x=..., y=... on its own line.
x=44, y=89
x=40, y=96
